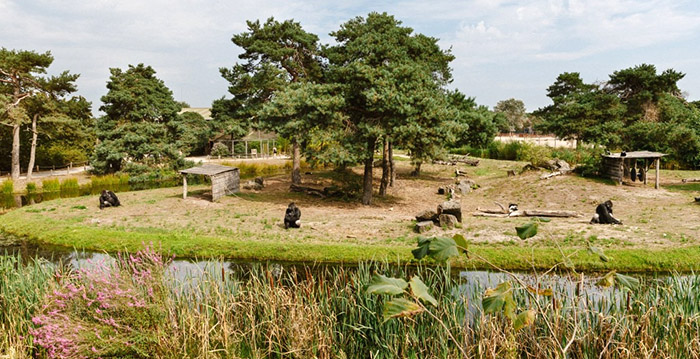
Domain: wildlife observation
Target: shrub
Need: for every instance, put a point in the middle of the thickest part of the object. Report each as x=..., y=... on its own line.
x=50, y=185
x=31, y=187
x=8, y=187
x=537, y=155
x=70, y=184
x=219, y=149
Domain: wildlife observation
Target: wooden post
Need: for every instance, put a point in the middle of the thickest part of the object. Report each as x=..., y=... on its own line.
x=646, y=171
x=184, y=186
x=656, y=185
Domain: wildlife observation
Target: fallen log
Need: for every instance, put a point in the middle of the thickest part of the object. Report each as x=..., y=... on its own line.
x=526, y=213
x=550, y=175
x=466, y=160
x=493, y=211
x=550, y=213
x=686, y=180
x=308, y=190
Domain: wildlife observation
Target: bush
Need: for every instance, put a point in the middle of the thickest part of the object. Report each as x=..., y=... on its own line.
x=219, y=149
x=50, y=185
x=70, y=184
x=537, y=155
x=8, y=187
x=31, y=187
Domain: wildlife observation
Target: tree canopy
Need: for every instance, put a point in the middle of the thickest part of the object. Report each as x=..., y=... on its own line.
x=140, y=124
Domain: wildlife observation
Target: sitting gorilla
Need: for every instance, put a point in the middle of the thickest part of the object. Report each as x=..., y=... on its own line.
x=108, y=199
x=292, y=216
x=603, y=214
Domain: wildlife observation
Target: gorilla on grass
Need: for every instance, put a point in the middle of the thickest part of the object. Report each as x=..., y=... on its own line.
x=292, y=217
x=603, y=214
x=108, y=199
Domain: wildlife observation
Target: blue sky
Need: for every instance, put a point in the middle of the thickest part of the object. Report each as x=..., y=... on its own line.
x=503, y=49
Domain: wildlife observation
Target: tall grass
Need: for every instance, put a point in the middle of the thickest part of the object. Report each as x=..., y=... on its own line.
x=50, y=185
x=254, y=169
x=273, y=312
x=8, y=187
x=31, y=187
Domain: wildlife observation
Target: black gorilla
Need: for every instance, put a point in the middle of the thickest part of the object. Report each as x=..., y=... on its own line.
x=292, y=216
x=108, y=199
x=603, y=214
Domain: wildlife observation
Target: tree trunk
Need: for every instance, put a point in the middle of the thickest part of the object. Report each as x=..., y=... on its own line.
x=32, y=151
x=367, y=183
x=15, y=152
x=386, y=171
x=392, y=165
x=416, y=171
x=296, y=163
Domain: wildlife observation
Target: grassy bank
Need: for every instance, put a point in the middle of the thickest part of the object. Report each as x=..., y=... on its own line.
x=190, y=244
x=656, y=236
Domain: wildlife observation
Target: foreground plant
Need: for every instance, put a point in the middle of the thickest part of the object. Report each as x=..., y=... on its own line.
x=105, y=311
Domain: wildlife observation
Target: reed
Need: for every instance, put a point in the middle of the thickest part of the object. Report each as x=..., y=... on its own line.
x=269, y=311
x=50, y=185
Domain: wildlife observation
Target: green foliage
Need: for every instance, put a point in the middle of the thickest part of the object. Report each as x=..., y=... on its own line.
x=621, y=280
x=440, y=248
x=420, y=290
x=31, y=187
x=220, y=149
x=384, y=285
x=192, y=132
x=499, y=299
x=400, y=307
x=140, y=124
x=537, y=155
x=515, y=114
x=527, y=230
x=50, y=185
x=599, y=252
x=8, y=187
x=70, y=184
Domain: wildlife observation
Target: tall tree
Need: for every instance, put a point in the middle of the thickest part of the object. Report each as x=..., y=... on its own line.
x=276, y=55
x=474, y=125
x=19, y=80
x=514, y=112
x=139, y=122
x=49, y=104
x=380, y=65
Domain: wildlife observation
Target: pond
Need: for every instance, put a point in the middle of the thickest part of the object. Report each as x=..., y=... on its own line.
x=17, y=200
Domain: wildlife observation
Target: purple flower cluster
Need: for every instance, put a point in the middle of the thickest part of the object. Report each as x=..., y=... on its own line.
x=99, y=310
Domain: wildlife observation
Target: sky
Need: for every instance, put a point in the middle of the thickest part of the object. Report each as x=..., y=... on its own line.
x=503, y=49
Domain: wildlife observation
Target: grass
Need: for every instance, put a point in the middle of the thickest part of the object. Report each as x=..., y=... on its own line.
x=50, y=185
x=8, y=187
x=188, y=243
x=301, y=312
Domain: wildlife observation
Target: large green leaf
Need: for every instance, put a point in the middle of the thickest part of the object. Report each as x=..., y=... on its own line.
x=495, y=299
x=525, y=318
x=399, y=307
x=385, y=285
x=599, y=252
x=420, y=290
x=607, y=281
x=461, y=243
x=626, y=281
x=527, y=230
x=423, y=248
x=442, y=248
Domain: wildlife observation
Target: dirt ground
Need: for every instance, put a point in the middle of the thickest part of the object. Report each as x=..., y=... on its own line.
x=652, y=218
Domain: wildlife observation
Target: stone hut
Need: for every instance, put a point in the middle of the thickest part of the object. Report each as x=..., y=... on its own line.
x=225, y=180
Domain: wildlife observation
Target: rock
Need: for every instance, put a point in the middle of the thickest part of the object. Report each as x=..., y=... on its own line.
x=465, y=186
x=253, y=185
x=447, y=220
x=260, y=181
x=426, y=215
x=424, y=226
x=558, y=165
x=441, y=190
x=451, y=207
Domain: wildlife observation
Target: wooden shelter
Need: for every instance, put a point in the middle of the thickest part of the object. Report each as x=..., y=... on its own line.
x=225, y=180
x=632, y=166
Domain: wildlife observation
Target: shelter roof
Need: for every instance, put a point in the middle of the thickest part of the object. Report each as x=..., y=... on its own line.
x=208, y=169
x=636, y=154
x=203, y=111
